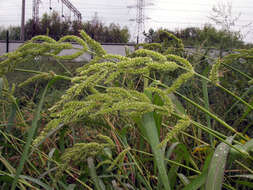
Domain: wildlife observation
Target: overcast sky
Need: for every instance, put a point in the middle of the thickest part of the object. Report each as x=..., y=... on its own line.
x=171, y=14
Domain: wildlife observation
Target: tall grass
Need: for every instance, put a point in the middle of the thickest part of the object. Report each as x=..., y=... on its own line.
x=124, y=122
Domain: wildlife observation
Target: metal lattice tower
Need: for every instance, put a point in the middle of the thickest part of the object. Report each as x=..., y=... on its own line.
x=67, y=3
x=140, y=19
x=73, y=9
x=36, y=6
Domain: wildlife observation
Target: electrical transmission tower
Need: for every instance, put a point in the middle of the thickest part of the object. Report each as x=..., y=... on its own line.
x=67, y=3
x=140, y=18
x=73, y=9
x=36, y=6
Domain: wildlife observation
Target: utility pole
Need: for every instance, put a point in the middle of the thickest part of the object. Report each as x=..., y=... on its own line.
x=22, y=32
x=7, y=41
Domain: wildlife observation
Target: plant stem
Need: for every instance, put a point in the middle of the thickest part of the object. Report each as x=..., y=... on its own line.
x=65, y=68
x=206, y=100
x=215, y=134
x=211, y=114
x=170, y=161
x=39, y=72
x=30, y=137
x=237, y=70
x=221, y=87
x=226, y=90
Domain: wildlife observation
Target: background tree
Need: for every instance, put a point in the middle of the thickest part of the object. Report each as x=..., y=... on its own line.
x=108, y=34
x=14, y=33
x=222, y=16
x=207, y=36
x=56, y=26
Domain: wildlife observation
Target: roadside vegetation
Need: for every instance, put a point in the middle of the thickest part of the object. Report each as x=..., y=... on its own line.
x=158, y=118
x=55, y=26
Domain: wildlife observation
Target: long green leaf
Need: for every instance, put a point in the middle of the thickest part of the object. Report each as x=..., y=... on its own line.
x=197, y=182
x=217, y=166
x=71, y=187
x=200, y=180
x=183, y=178
x=92, y=170
x=36, y=181
x=177, y=104
x=173, y=171
x=7, y=164
x=248, y=146
x=235, y=154
x=172, y=147
x=30, y=137
x=8, y=178
x=248, y=176
x=245, y=183
x=150, y=129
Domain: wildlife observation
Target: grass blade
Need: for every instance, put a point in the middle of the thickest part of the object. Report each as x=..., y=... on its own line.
x=206, y=101
x=183, y=178
x=71, y=187
x=217, y=166
x=248, y=176
x=7, y=164
x=8, y=178
x=248, y=146
x=211, y=115
x=150, y=129
x=93, y=174
x=245, y=183
x=197, y=182
x=30, y=136
x=172, y=147
x=36, y=181
x=178, y=105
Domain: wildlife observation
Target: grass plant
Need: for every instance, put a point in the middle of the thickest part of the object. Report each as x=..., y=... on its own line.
x=148, y=120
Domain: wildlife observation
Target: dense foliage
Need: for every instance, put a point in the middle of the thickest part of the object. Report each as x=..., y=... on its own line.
x=208, y=36
x=157, y=118
x=55, y=26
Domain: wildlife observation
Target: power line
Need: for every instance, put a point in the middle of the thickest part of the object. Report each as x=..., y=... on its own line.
x=67, y=3
x=124, y=19
x=123, y=6
x=152, y=20
x=109, y=8
x=91, y=7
